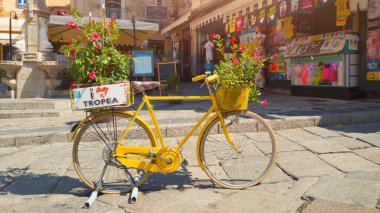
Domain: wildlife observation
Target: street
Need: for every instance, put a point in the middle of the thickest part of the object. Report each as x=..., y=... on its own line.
x=319, y=169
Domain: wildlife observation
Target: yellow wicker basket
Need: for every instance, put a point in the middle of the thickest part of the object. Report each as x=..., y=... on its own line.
x=230, y=99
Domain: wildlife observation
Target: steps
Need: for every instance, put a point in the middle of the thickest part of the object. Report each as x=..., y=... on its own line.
x=34, y=108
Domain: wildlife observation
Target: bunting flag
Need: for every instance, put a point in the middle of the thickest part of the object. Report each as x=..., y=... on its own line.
x=239, y=24
x=283, y=8
x=232, y=25
x=272, y=14
x=294, y=6
x=342, y=12
x=262, y=19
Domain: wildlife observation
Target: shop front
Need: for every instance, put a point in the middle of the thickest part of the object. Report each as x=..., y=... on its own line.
x=370, y=51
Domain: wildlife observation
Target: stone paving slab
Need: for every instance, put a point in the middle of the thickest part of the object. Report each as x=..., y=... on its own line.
x=348, y=190
x=322, y=145
x=323, y=132
x=327, y=206
x=299, y=173
x=304, y=164
x=371, y=138
x=356, y=163
x=372, y=154
x=351, y=143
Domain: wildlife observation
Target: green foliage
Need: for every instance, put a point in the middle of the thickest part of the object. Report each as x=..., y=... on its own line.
x=92, y=56
x=240, y=70
x=3, y=74
x=173, y=81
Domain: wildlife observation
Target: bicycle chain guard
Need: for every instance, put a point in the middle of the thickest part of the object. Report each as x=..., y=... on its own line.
x=171, y=154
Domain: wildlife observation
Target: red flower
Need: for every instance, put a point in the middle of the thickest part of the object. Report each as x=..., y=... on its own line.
x=93, y=21
x=213, y=36
x=61, y=12
x=70, y=42
x=274, y=67
x=243, y=48
x=72, y=52
x=233, y=40
x=112, y=23
x=95, y=37
x=72, y=25
x=92, y=75
x=275, y=57
x=98, y=47
x=235, y=60
x=264, y=103
x=254, y=54
x=259, y=59
x=71, y=85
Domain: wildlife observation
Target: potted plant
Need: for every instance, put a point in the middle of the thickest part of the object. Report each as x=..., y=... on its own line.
x=173, y=82
x=237, y=75
x=93, y=58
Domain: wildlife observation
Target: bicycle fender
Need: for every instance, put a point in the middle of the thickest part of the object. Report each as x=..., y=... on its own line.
x=200, y=136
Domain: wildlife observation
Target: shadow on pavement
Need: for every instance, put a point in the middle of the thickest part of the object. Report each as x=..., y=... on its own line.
x=16, y=181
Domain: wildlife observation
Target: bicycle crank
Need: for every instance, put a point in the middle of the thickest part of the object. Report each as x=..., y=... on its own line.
x=168, y=160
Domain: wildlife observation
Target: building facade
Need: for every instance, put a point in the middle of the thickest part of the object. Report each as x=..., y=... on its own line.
x=326, y=48
x=153, y=11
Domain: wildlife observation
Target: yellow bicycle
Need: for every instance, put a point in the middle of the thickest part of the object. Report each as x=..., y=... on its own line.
x=116, y=150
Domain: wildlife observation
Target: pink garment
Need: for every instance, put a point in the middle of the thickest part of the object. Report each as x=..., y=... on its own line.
x=326, y=74
x=304, y=76
x=334, y=76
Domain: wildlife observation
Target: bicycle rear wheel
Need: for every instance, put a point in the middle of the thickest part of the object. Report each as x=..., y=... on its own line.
x=230, y=168
x=94, y=143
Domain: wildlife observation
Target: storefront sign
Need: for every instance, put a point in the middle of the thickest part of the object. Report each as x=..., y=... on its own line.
x=342, y=12
x=21, y=4
x=328, y=43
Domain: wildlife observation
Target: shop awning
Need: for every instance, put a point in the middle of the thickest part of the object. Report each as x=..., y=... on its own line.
x=222, y=12
x=16, y=30
x=176, y=23
x=58, y=31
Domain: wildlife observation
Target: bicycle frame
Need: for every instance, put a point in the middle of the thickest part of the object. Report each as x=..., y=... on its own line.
x=139, y=151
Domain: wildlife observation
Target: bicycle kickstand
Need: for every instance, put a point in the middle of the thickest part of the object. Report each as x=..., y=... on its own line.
x=135, y=190
x=98, y=185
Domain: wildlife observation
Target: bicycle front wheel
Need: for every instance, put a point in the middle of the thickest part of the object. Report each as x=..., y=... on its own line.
x=96, y=141
x=253, y=156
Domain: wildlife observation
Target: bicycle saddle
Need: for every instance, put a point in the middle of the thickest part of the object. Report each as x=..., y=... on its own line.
x=146, y=85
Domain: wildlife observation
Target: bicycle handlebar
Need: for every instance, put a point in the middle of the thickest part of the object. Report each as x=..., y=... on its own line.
x=198, y=78
x=207, y=78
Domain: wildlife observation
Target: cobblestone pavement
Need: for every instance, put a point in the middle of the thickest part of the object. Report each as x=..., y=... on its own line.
x=319, y=169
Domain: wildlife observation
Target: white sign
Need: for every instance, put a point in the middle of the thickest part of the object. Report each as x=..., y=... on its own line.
x=100, y=96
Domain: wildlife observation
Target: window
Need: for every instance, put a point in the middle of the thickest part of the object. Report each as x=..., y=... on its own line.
x=113, y=9
x=157, y=2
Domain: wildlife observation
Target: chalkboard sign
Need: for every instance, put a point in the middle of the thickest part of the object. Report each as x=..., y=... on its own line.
x=143, y=64
x=156, y=12
x=165, y=70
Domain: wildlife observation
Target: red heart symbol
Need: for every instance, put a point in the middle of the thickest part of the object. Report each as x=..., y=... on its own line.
x=102, y=91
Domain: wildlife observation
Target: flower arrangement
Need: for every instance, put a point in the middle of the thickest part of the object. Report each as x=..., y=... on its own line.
x=240, y=69
x=92, y=56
